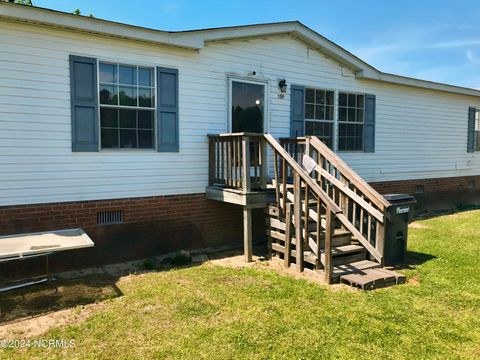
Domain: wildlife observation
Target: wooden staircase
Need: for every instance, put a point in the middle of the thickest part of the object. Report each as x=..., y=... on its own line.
x=329, y=221
x=322, y=216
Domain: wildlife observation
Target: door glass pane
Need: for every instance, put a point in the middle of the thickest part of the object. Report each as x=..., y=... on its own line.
x=248, y=107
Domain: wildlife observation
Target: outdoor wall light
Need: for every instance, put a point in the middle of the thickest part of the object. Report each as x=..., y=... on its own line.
x=282, y=84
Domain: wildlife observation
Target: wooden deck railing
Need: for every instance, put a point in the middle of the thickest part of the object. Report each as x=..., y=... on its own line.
x=363, y=208
x=238, y=161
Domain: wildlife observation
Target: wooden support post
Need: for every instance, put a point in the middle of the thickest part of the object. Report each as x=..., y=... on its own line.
x=329, y=230
x=380, y=238
x=298, y=220
x=212, y=161
x=246, y=164
x=288, y=235
x=247, y=234
x=277, y=178
x=263, y=163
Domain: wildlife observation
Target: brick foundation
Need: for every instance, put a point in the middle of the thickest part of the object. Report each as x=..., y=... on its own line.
x=436, y=194
x=157, y=225
x=152, y=226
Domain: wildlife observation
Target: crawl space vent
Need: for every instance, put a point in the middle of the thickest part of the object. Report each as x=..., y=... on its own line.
x=110, y=217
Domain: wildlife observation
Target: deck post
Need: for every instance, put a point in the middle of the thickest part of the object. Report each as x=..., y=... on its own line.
x=297, y=209
x=263, y=164
x=246, y=164
x=247, y=234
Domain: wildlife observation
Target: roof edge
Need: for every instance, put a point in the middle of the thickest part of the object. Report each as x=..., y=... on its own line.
x=58, y=19
x=424, y=84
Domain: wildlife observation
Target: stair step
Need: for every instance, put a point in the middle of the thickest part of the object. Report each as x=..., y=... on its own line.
x=373, y=278
x=347, y=249
x=345, y=254
x=344, y=269
x=336, y=233
x=348, y=259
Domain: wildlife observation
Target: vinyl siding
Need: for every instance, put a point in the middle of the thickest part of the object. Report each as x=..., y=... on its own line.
x=419, y=133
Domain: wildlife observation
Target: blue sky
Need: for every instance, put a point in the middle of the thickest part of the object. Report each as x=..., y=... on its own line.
x=433, y=40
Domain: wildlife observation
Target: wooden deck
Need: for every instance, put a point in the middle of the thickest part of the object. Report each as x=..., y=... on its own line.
x=252, y=200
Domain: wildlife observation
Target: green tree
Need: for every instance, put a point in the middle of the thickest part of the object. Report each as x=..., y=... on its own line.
x=21, y=2
x=78, y=12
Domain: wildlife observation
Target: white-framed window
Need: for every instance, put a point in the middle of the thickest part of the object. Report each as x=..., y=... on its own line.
x=127, y=106
x=319, y=114
x=351, y=115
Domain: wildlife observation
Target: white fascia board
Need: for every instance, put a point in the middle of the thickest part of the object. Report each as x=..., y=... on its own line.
x=303, y=33
x=96, y=26
x=425, y=84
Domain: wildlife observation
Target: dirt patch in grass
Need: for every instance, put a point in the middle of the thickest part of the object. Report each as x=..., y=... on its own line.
x=414, y=281
x=418, y=225
x=234, y=260
x=38, y=325
x=58, y=295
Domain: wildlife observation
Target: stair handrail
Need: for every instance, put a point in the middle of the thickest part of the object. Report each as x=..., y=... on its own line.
x=347, y=171
x=303, y=174
x=332, y=207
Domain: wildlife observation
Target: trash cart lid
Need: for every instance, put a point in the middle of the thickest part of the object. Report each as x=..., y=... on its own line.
x=397, y=198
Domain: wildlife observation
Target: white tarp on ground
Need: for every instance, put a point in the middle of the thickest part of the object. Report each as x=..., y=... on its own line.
x=17, y=246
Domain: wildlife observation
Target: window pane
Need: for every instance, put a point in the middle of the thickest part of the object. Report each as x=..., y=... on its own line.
x=109, y=138
x=342, y=99
x=342, y=143
x=360, y=101
x=145, y=119
x=319, y=112
x=350, y=130
x=128, y=139
x=322, y=130
x=128, y=75
x=330, y=98
x=309, y=111
x=352, y=100
x=358, y=130
x=145, y=98
x=359, y=115
x=310, y=96
x=128, y=119
x=320, y=97
x=145, y=77
x=128, y=96
x=145, y=139
x=248, y=101
x=342, y=114
x=109, y=117
x=350, y=144
x=329, y=113
x=351, y=115
x=358, y=144
x=108, y=73
x=108, y=95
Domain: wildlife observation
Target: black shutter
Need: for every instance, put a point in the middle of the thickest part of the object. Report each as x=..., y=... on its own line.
x=369, y=124
x=471, y=130
x=84, y=103
x=297, y=111
x=167, y=110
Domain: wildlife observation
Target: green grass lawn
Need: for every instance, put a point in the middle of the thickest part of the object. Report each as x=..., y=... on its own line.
x=212, y=312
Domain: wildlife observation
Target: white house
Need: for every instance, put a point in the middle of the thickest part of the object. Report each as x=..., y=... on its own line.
x=100, y=116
